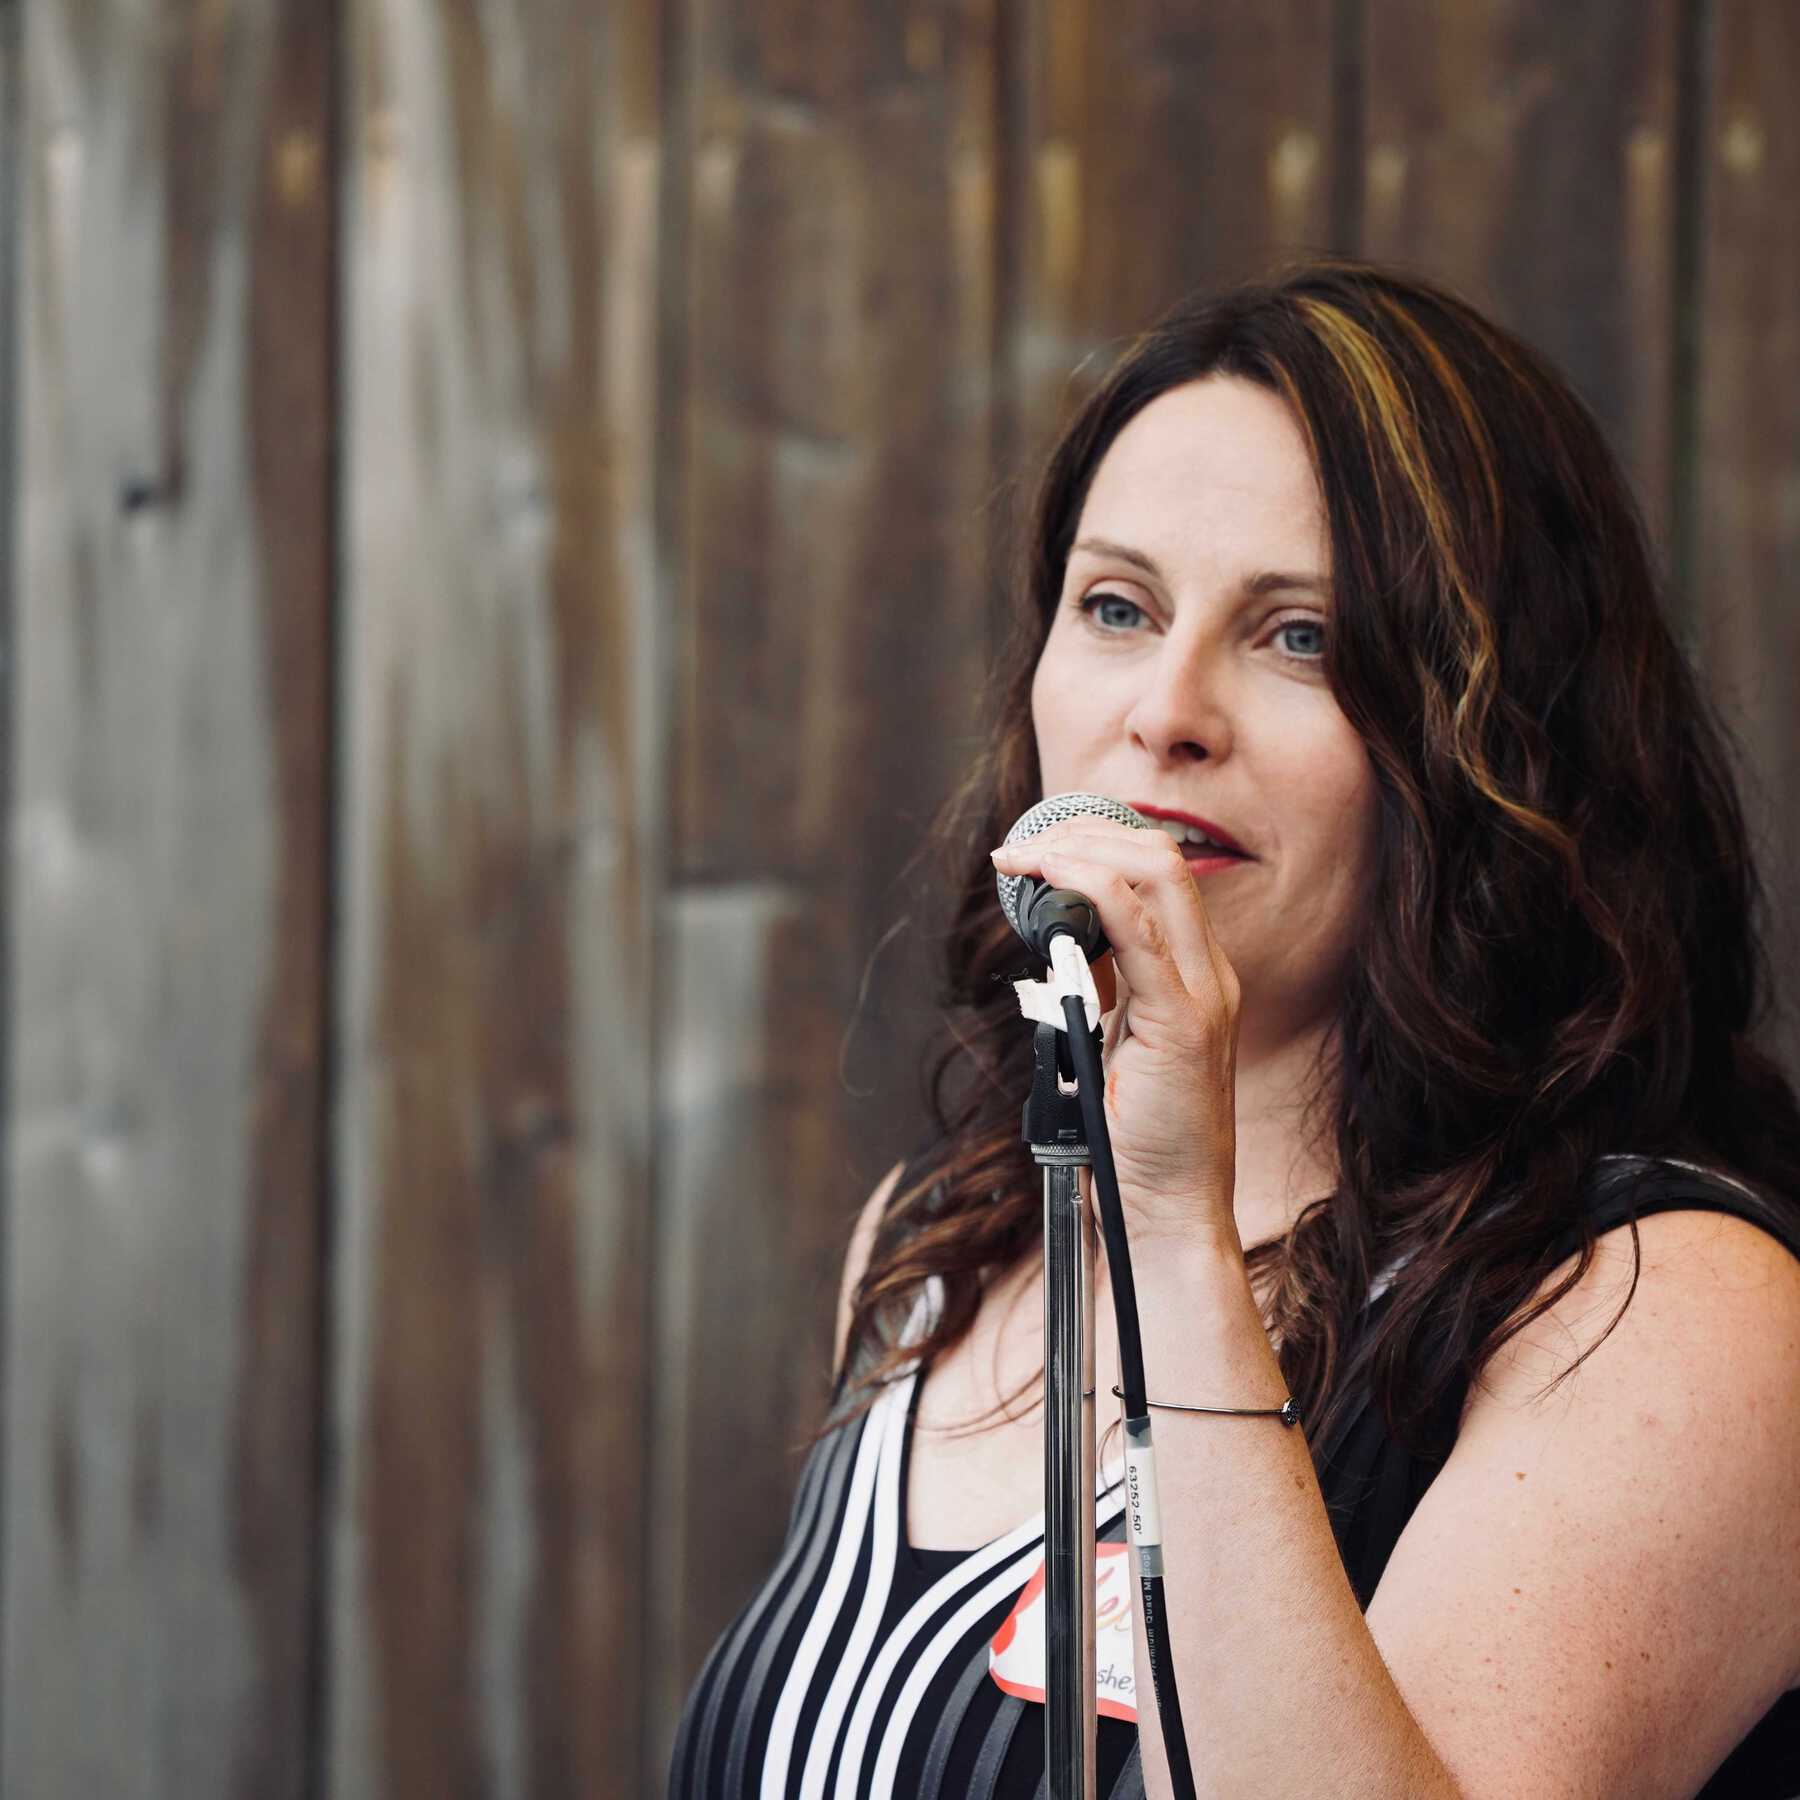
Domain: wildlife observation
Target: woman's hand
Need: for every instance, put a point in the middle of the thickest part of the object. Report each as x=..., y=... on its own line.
x=1171, y=1033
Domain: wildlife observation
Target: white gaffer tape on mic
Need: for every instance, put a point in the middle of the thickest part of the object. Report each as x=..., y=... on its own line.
x=1041, y=1001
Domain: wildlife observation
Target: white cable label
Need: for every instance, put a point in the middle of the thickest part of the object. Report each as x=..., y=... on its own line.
x=1074, y=976
x=1140, y=1495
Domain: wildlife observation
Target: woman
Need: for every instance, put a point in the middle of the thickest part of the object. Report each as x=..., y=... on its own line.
x=1340, y=573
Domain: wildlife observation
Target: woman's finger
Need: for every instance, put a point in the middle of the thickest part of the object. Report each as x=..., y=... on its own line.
x=1145, y=926
x=1151, y=858
x=1154, y=869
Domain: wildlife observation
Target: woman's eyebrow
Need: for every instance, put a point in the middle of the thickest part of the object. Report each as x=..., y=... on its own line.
x=1274, y=580
x=1269, y=582
x=1124, y=552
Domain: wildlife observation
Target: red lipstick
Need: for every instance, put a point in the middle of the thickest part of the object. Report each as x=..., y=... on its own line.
x=1217, y=833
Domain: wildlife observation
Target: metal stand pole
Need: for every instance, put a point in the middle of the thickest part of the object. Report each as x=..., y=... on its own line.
x=1060, y=1149
x=1069, y=1720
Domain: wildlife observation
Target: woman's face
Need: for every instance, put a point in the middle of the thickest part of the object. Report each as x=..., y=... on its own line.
x=1182, y=676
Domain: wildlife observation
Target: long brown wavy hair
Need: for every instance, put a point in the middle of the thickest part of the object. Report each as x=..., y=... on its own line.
x=1564, y=954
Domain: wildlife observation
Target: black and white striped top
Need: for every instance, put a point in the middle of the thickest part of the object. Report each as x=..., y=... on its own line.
x=861, y=1667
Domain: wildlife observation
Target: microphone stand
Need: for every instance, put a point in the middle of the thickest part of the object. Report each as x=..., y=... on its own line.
x=1058, y=1141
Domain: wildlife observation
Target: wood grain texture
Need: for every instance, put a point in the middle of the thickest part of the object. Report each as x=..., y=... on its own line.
x=11, y=96
x=1524, y=153
x=167, y=901
x=1748, y=567
x=501, y=729
x=1162, y=149
x=840, y=180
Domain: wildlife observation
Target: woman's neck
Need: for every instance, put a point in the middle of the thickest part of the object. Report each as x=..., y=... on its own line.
x=1279, y=1172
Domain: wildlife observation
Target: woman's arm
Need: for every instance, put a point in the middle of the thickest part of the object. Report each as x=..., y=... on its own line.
x=1283, y=1691
x=1599, y=1594
x=1631, y=1543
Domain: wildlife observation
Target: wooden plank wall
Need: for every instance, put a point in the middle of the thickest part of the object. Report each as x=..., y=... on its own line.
x=166, y=900
x=500, y=847
x=1745, y=454
x=1525, y=153
x=498, y=506
x=1159, y=148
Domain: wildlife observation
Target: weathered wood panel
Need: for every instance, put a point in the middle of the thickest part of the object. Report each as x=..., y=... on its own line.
x=1525, y=153
x=11, y=363
x=167, y=900
x=1748, y=561
x=1162, y=148
x=10, y=97
x=500, y=752
x=836, y=404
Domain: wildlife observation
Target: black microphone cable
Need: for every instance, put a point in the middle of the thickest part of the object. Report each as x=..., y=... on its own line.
x=1140, y=1458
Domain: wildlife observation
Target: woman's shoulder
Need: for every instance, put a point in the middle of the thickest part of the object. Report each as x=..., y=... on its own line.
x=1687, y=1315
x=1685, y=1323
x=1675, y=1241
x=856, y=1258
x=1657, y=1403
x=1619, y=1504
x=1720, y=1272
x=883, y=1221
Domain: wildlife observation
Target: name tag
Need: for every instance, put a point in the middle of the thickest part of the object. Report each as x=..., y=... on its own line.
x=1016, y=1654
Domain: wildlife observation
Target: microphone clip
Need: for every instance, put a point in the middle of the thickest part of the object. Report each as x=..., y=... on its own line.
x=1052, y=1123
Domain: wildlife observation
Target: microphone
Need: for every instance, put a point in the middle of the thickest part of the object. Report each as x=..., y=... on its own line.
x=1039, y=912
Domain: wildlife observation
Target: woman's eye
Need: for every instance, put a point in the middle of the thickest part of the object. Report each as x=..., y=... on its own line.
x=1113, y=612
x=1304, y=625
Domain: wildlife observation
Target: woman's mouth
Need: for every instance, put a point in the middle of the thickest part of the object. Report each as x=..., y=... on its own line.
x=1201, y=851
x=1199, y=839
x=1209, y=859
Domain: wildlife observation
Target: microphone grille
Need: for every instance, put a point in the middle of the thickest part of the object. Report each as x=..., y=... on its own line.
x=1052, y=811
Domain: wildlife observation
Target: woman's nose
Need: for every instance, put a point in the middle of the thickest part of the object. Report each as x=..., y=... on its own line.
x=1181, y=714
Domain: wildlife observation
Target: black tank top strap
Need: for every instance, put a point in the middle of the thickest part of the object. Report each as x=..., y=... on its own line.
x=1623, y=1188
